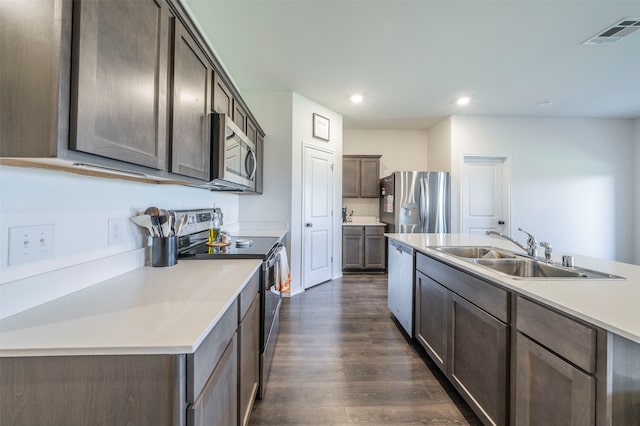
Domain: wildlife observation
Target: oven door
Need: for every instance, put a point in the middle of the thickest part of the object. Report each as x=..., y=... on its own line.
x=270, y=303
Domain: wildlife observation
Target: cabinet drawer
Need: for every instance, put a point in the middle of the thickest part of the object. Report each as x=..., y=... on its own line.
x=568, y=338
x=352, y=230
x=247, y=295
x=374, y=230
x=492, y=299
x=201, y=363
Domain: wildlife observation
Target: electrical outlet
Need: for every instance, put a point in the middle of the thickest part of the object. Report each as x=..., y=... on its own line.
x=30, y=243
x=116, y=231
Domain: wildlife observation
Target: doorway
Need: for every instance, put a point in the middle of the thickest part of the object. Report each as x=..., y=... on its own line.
x=317, y=234
x=486, y=203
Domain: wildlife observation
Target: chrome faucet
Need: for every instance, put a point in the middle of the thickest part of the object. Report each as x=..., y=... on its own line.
x=531, y=248
x=547, y=251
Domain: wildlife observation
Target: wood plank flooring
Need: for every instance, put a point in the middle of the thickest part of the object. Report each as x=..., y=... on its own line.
x=340, y=359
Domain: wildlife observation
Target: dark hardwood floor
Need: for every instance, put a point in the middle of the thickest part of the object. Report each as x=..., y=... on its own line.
x=340, y=359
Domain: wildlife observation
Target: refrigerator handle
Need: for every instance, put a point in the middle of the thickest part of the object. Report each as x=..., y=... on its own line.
x=424, y=206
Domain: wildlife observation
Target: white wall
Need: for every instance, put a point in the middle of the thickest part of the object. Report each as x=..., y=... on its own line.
x=572, y=179
x=636, y=190
x=439, y=137
x=400, y=150
x=286, y=118
x=303, y=110
x=275, y=115
x=79, y=207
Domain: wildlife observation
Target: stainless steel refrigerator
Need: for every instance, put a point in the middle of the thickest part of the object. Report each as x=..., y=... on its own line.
x=416, y=202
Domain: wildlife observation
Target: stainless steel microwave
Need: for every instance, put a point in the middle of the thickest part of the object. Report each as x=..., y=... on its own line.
x=233, y=156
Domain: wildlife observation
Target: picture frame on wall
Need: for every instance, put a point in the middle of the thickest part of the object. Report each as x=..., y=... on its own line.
x=320, y=127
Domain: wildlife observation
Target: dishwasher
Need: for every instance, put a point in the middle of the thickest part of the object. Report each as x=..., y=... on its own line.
x=400, y=284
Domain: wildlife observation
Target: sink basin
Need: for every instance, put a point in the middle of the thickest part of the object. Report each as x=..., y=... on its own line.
x=473, y=252
x=525, y=268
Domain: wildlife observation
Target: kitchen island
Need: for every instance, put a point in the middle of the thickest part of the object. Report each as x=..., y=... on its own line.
x=529, y=350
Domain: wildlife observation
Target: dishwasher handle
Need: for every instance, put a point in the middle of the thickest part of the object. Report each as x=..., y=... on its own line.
x=401, y=248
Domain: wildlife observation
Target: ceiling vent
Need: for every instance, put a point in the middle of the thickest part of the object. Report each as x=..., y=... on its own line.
x=616, y=32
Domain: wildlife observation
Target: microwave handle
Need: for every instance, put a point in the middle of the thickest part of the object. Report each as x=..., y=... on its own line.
x=255, y=164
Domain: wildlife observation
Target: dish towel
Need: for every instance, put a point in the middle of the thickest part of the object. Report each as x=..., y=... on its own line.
x=283, y=275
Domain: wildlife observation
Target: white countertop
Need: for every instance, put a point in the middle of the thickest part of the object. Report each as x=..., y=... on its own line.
x=145, y=311
x=364, y=221
x=613, y=305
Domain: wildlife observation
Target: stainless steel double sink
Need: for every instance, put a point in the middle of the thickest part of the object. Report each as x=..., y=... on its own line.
x=519, y=266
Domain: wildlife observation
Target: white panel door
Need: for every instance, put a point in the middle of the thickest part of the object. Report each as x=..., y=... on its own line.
x=485, y=195
x=318, y=216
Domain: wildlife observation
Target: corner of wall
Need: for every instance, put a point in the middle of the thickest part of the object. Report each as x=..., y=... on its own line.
x=636, y=186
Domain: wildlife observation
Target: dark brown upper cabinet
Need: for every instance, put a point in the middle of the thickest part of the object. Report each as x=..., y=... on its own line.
x=361, y=176
x=120, y=78
x=29, y=50
x=239, y=116
x=192, y=82
x=222, y=96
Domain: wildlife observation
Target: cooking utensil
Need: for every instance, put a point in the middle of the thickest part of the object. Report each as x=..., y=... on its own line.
x=144, y=221
x=165, y=226
x=181, y=223
x=152, y=211
x=172, y=222
x=155, y=222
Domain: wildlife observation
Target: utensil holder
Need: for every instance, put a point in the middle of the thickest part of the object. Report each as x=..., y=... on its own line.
x=164, y=251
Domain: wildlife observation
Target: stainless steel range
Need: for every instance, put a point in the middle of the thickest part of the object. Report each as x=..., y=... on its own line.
x=192, y=245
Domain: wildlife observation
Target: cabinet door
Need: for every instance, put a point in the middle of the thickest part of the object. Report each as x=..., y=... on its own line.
x=478, y=360
x=352, y=247
x=374, y=247
x=251, y=131
x=549, y=390
x=239, y=116
x=432, y=317
x=249, y=332
x=222, y=96
x=350, y=177
x=119, y=89
x=370, y=178
x=192, y=76
x=30, y=51
x=217, y=404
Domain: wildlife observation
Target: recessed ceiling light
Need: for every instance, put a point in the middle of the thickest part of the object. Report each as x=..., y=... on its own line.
x=356, y=99
x=463, y=100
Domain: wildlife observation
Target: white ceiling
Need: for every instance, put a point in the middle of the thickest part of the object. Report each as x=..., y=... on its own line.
x=412, y=59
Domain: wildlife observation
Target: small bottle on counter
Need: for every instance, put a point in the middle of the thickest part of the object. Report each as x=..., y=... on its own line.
x=214, y=227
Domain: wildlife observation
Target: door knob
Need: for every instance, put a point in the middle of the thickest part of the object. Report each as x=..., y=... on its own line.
x=501, y=222
x=309, y=224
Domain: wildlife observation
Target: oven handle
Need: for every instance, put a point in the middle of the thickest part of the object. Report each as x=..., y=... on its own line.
x=273, y=259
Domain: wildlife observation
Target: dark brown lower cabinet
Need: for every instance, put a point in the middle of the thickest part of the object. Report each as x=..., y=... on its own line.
x=91, y=390
x=479, y=364
x=217, y=404
x=467, y=342
x=431, y=323
x=363, y=248
x=549, y=390
x=249, y=335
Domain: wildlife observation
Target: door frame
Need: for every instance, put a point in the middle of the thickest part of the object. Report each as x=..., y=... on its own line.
x=303, y=271
x=506, y=186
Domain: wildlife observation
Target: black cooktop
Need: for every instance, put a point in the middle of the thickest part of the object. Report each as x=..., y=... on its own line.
x=240, y=248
